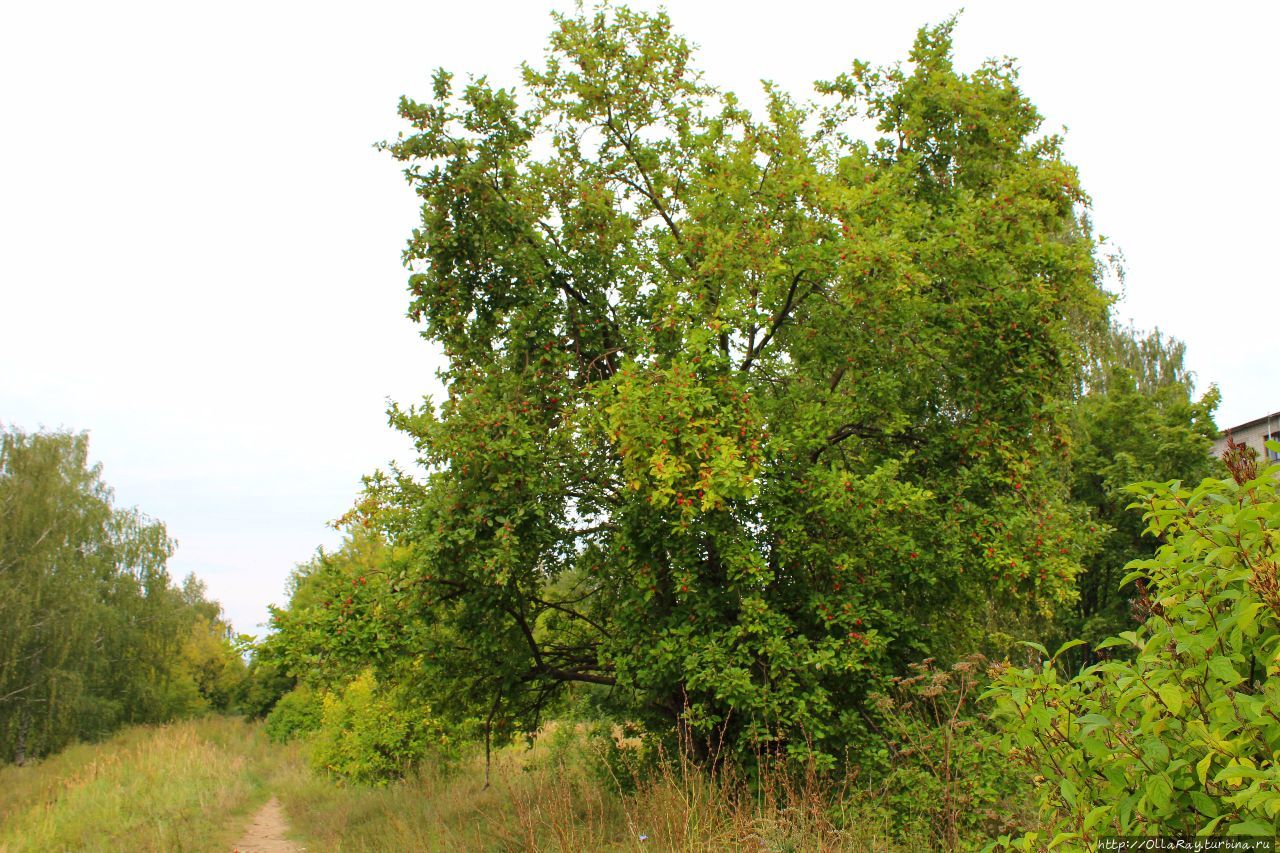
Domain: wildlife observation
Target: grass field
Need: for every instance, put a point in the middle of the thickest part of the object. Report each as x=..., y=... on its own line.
x=193, y=786
x=182, y=787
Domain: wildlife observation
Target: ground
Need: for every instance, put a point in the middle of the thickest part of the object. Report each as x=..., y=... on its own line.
x=266, y=832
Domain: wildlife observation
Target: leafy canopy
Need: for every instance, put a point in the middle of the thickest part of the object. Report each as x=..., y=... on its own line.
x=742, y=411
x=1136, y=419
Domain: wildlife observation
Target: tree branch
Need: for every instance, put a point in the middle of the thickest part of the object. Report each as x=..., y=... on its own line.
x=856, y=430
x=569, y=612
x=648, y=190
x=776, y=324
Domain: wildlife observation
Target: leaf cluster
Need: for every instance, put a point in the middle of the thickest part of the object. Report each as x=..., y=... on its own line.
x=1183, y=738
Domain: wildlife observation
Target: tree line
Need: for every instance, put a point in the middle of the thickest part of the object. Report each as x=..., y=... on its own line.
x=94, y=632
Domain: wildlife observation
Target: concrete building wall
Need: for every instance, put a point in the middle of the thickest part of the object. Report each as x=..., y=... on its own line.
x=1254, y=434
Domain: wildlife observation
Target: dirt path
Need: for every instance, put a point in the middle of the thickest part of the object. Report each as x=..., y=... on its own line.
x=266, y=833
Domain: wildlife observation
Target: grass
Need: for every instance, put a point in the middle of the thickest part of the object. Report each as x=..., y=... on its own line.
x=552, y=796
x=193, y=786
x=186, y=786
x=525, y=808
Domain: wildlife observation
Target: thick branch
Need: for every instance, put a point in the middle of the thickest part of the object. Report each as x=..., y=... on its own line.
x=856, y=430
x=573, y=675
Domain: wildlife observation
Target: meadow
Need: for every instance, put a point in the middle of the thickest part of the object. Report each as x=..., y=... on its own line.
x=194, y=785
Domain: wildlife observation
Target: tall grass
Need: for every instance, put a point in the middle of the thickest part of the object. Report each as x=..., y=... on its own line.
x=186, y=786
x=193, y=786
x=556, y=797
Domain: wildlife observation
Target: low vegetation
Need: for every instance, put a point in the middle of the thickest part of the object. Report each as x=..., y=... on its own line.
x=184, y=786
x=191, y=786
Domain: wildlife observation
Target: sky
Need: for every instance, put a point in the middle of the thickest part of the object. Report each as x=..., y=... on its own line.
x=200, y=247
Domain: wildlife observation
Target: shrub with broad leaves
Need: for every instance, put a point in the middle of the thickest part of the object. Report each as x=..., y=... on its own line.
x=296, y=715
x=1184, y=738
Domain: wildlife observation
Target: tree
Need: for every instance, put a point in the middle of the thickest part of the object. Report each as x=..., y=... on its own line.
x=55, y=519
x=91, y=627
x=340, y=619
x=1136, y=420
x=742, y=412
x=210, y=653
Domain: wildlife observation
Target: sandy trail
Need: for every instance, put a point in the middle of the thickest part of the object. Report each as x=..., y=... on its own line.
x=266, y=834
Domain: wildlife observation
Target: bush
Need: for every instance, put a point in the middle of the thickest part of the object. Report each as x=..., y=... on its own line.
x=373, y=734
x=943, y=777
x=298, y=713
x=1184, y=738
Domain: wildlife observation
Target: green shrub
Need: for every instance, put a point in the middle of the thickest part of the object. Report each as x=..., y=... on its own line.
x=941, y=776
x=1185, y=737
x=298, y=713
x=374, y=734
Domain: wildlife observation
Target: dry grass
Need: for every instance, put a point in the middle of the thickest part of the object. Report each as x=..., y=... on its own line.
x=192, y=787
x=180, y=787
x=545, y=800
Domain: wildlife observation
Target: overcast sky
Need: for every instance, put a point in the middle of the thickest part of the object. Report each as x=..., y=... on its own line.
x=200, y=249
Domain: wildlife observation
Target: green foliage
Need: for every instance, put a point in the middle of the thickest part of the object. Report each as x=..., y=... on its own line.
x=93, y=633
x=210, y=656
x=372, y=734
x=265, y=683
x=340, y=618
x=1136, y=420
x=742, y=413
x=356, y=662
x=1184, y=738
x=297, y=714
x=942, y=777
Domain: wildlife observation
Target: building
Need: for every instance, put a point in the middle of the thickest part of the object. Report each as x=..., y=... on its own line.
x=1255, y=434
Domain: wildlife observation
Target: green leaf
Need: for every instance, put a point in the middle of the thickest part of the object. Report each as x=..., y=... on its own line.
x=1234, y=772
x=1171, y=694
x=1095, y=815
x=1062, y=838
x=1069, y=644
x=1037, y=646
x=1068, y=789
x=1209, y=827
x=1204, y=804
x=1223, y=669
x=1159, y=791
x=1202, y=768
x=1252, y=827
x=1248, y=618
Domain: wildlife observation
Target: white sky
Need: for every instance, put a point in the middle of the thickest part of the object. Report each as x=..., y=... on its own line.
x=199, y=248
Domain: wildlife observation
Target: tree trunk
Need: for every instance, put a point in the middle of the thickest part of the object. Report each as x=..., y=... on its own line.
x=20, y=747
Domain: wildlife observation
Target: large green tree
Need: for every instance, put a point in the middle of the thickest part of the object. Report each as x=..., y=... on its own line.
x=742, y=411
